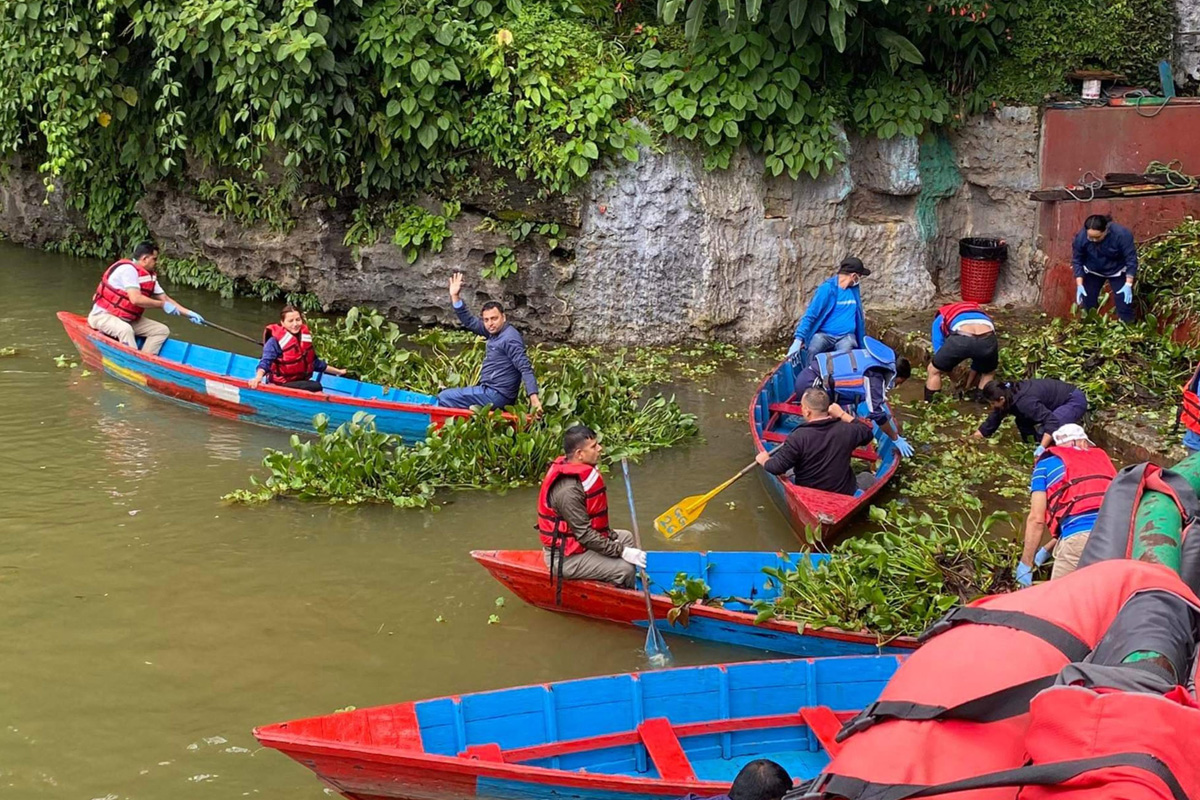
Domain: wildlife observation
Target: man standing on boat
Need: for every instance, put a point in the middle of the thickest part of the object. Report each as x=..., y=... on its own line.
x=834, y=319
x=862, y=375
x=819, y=453
x=961, y=331
x=505, y=363
x=577, y=542
x=1068, y=485
x=126, y=290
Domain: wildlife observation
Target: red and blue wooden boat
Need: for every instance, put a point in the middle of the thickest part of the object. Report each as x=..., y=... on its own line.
x=622, y=737
x=728, y=574
x=816, y=514
x=217, y=381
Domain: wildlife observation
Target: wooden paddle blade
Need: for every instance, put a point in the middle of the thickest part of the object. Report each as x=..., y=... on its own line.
x=680, y=516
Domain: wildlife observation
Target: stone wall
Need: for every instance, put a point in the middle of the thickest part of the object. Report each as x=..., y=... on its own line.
x=1187, y=42
x=661, y=251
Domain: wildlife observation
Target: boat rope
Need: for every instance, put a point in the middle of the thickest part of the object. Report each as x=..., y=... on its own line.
x=1173, y=170
x=1090, y=182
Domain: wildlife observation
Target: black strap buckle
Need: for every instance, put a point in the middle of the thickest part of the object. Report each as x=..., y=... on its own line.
x=858, y=723
x=948, y=621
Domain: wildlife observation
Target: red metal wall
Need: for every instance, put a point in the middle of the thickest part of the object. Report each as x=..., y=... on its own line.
x=1102, y=140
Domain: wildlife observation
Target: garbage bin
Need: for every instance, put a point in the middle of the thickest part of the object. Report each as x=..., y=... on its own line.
x=980, y=259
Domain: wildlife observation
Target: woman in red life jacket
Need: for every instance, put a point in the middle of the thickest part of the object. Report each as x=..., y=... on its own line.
x=288, y=355
x=577, y=542
x=127, y=288
x=1068, y=486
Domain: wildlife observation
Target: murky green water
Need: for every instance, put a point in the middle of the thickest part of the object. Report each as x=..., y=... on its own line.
x=146, y=627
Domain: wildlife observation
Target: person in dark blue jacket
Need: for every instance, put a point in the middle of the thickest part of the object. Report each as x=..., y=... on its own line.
x=834, y=319
x=505, y=363
x=1104, y=251
x=1040, y=406
x=858, y=381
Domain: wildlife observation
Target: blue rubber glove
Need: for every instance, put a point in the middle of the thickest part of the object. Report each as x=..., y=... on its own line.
x=1037, y=452
x=1024, y=574
x=797, y=346
x=170, y=308
x=1041, y=556
x=1126, y=292
x=196, y=318
x=903, y=446
x=1080, y=295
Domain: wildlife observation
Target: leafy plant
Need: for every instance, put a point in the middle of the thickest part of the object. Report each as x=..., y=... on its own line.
x=356, y=463
x=250, y=204
x=205, y=275
x=1112, y=362
x=686, y=592
x=1168, y=279
x=900, y=579
x=503, y=265
x=415, y=228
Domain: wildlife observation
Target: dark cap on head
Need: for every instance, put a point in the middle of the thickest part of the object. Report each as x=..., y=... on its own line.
x=852, y=266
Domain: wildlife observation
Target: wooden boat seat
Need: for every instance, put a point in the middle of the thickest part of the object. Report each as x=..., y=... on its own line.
x=865, y=453
x=665, y=750
x=485, y=752
x=786, y=408
x=825, y=726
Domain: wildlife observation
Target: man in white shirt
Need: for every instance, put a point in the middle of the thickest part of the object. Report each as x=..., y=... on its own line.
x=128, y=288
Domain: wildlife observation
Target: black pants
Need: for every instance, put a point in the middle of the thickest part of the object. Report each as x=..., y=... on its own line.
x=983, y=351
x=1092, y=284
x=304, y=386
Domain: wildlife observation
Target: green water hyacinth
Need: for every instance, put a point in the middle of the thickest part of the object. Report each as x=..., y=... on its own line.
x=356, y=463
x=903, y=577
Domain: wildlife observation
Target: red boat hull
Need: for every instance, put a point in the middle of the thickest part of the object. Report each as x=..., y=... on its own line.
x=524, y=573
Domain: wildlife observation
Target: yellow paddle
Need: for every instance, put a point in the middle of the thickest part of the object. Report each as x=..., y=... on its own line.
x=689, y=508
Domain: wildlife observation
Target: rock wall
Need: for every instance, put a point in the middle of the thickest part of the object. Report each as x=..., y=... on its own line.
x=661, y=251
x=1187, y=42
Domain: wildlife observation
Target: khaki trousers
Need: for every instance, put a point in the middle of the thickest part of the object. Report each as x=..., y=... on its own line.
x=591, y=566
x=1067, y=553
x=126, y=332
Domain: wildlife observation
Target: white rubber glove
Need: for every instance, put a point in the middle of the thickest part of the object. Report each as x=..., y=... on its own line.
x=634, y=556
x=797, y=345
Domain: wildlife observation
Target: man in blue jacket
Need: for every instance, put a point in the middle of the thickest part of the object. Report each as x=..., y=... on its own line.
x=834, y=321
x=1104, y=252
x=505, y=363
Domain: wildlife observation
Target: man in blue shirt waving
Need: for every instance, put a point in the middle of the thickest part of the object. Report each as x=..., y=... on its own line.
x=505, y=363
x=834, y=321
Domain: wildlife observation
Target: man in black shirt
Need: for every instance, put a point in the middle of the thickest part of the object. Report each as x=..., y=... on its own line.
x=819, y=451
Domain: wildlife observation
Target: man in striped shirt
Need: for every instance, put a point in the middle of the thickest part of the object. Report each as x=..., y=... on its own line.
x=1068, y=485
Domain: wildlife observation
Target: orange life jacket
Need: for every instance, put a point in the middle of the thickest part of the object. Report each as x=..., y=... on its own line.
x=298, y=358
x=1086, y=478
x=116, y=301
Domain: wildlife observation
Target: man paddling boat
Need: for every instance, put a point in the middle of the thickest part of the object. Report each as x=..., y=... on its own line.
x=128, y=287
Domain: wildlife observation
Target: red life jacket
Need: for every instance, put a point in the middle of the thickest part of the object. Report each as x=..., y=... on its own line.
x=554, y=530
x=951, y=310
x=959, y=707
x=298, y=358
x=116, y=301
x=1093, y=744
x=1190, y=411
x=1086, y=479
